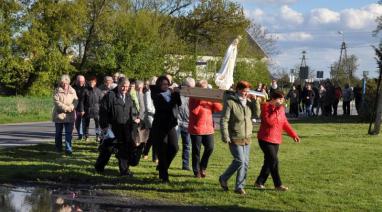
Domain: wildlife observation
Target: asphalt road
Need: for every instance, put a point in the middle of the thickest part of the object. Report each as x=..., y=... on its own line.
x=25, y=134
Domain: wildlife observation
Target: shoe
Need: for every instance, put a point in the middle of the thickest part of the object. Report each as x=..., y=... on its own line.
x=223, y=184
x=281, y=188
x=203, y=173
x=86, y=138
x=240, y=191
x=259, y=186
x=68, y=153
x=127, y=173
x=197, y=175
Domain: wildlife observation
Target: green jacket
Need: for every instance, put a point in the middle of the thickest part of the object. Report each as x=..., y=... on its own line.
x=236, y=122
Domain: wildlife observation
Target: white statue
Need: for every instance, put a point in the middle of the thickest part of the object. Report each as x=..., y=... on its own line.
x=224, y=79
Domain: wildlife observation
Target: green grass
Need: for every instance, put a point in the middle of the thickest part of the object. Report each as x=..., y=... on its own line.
x=25, y=109
x=335, y=168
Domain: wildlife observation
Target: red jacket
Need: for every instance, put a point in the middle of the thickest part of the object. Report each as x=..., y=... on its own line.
x=273, y=123
x=200, y=120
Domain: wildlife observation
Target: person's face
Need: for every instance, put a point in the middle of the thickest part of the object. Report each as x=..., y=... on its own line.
x=65, y=85
x=164, y=85
x=124, y=88
x=309, y=87
x=115, y=77
x=139, y=87
x=132, y=87
x=81, y=81
x=244, y=92
x=108, y=82
x=93, y=83
x=279, y=101
x=204, y=85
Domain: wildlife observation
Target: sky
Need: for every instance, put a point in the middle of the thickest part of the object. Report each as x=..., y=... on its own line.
x=313, y=26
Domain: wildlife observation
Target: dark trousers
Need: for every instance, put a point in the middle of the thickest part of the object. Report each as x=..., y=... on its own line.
x=86, y=124
x=346, y=107
x=151, y=143
x=186, y=147
x=167, y=149
x=122, y=133
x=294, y=109
x=335, y=106
x=271, y=164
x=79, y=123
x=197, y=141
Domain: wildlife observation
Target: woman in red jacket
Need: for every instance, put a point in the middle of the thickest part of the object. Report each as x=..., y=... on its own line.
x=201, y=129
x=273, y=123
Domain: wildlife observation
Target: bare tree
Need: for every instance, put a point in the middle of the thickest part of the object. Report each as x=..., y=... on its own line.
x=266, y=40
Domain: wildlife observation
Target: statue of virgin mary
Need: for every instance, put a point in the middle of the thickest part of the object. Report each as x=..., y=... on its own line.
x=224, y=78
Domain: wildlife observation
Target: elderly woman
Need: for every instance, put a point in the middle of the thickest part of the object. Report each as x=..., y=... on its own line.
x=236, y=128
x=273, y=123
x=201, y=129
x=65, y=102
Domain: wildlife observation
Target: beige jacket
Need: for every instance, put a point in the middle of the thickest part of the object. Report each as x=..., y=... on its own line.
x=64, y=105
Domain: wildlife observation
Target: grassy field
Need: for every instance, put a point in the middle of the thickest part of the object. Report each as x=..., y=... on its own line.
x=25, y=109
x=335, y=168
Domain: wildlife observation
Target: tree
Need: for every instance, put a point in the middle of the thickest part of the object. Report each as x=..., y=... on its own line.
x=344, y=73
x=266, y=40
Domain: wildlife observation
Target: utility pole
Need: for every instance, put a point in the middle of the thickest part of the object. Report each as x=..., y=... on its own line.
x=343, y=60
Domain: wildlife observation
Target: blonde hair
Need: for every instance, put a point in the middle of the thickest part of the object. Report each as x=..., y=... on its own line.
x=65, y=79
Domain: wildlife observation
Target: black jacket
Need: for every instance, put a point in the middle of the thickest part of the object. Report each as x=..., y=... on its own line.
x=166, y=113
x=80, y=91
x=114, y=111
x=91, y=101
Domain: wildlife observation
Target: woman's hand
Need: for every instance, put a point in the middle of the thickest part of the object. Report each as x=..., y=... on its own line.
x=297, y=139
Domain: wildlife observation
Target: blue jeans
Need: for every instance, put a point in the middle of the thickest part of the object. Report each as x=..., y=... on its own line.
x=308, y=110
x=239, y=164
x=68, y=136
x=79, y=125
x=186, y=144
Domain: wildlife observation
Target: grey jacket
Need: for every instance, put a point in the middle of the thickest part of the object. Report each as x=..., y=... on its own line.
x=184, y=113
x=149, y=109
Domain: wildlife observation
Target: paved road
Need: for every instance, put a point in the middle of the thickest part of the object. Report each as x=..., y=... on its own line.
x=25, y=134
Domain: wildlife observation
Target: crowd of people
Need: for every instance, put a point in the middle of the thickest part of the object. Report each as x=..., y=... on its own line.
x=132, y=116
x=325, y=97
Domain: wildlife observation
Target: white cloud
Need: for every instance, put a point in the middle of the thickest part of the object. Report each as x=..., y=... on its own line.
x=291, y=16
x=294, y=36
x=324, y=16
x=256, y=14
x=363, y=18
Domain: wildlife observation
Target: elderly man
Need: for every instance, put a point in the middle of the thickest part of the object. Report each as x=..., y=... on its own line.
x=108, y=84
x=117, y=111
x=79, y=87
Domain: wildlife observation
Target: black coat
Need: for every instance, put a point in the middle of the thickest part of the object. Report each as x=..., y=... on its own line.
x=91, y=101
x=114, y=111
x=80, y=91
x=166, y=113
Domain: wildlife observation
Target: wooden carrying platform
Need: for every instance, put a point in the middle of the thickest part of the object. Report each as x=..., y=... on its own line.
x=215, y=95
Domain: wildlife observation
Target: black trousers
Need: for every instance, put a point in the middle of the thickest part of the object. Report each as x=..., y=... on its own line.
x=87, y=123
x=197, y=141
x=271, y=164
x=167, y=149
x=335, y=106
x=346, y=107
x=293, y=110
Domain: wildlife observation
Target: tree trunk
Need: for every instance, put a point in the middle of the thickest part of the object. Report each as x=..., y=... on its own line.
x=378, y=114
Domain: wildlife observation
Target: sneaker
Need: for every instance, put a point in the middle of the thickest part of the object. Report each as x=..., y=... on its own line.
x=223, y=184
x=259, y=186
x=281, y=188
x=240, y=191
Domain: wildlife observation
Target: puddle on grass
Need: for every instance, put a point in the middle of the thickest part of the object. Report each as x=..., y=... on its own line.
x=26, y=199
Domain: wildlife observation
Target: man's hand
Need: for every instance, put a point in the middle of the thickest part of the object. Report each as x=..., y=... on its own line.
x=297, y=140
x=137, y=121
x=82, y=113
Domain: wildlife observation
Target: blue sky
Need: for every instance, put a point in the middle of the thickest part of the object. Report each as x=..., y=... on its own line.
x=313, y=25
